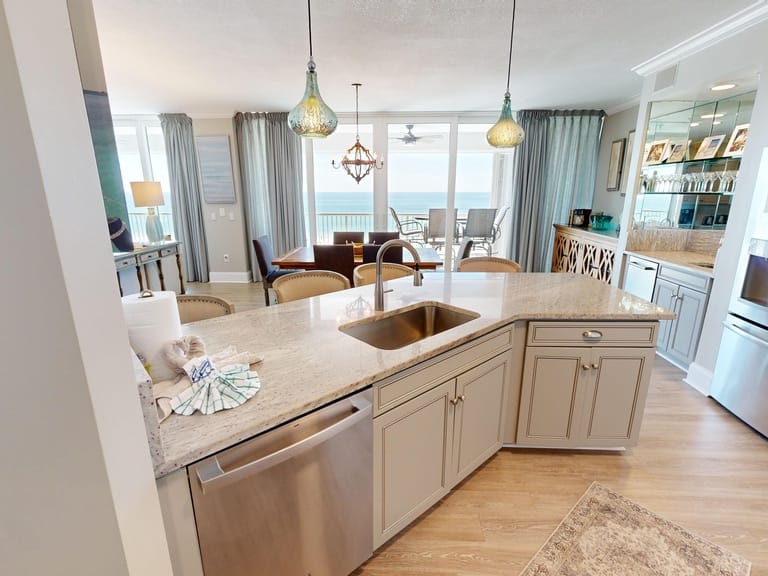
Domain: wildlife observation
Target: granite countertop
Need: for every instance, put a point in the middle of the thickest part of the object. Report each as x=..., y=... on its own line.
x=308, y=362
x=691, y=261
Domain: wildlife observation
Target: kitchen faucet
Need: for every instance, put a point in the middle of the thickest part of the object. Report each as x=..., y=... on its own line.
x=378, y=292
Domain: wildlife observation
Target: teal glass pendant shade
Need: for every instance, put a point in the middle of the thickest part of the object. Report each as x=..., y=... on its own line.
x=312, y=118
x=506, y=133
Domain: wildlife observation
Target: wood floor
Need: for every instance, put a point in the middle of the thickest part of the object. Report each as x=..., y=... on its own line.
x=695, y=465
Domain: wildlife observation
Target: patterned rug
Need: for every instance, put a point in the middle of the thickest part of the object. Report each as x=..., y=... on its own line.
x=606, y=534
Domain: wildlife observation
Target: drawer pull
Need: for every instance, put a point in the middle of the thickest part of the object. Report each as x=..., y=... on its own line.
x=595, y=366
x=454, y=401
x=592, y=335
x=585, y=366
x=461, y=397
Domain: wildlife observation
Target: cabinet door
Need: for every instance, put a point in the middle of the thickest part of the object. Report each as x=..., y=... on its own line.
x=479, y=416
x=665, y=295
x=549, y=400
x=684, y=338
x=411, y=444
x=614, y=396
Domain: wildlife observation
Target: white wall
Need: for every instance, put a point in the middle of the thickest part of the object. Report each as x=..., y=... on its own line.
x=78, y=494
x=615, y=127
x=225, y=233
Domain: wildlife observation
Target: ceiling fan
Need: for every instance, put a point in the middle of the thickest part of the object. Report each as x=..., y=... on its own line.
x=409, y=138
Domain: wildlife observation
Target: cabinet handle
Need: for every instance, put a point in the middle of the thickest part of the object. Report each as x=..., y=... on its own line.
x=595, y=366
x=461, y=397
x=592, y=334
x=454, y=401
x=585, y=366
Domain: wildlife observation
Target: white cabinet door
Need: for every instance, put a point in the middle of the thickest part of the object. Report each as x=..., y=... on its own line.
x=410, y=444
x=665, y=295
x=479, y=415
x=684, y=337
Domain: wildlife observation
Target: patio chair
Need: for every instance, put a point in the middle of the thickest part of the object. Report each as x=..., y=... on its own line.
x=488, y=264
x=408, y=229
x=269, y=272
x=497, y=224
x=434, y=235
x=479, y=227
x=337, y=257
x=366, y=273
x=348, y=237
x=465, y=249
x=308, y=284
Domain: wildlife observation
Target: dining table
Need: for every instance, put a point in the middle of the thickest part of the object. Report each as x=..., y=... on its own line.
x=304, y=258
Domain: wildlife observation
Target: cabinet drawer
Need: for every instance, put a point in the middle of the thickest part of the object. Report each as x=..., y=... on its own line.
x=698, y=282
x=123, y=263
x=167, y=251
x=395, y=390
x=592, y=333
x=149, y=257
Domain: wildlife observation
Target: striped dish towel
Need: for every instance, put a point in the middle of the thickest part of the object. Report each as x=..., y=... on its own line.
x=213, y=389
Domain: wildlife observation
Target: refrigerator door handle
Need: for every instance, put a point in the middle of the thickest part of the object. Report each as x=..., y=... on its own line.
x=744, y=334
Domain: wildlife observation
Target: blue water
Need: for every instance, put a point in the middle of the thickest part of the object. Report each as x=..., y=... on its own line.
x=406, y=202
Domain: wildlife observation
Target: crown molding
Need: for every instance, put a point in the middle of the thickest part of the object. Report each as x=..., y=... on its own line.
x=731, y=26
x=634, y=101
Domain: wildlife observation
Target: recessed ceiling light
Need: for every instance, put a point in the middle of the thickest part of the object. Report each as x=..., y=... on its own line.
x=694, y=124
x=726, y=86
x=713, y=115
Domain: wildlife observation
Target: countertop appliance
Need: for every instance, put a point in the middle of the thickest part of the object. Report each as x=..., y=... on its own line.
x=740, y=380
x=640, y=277
x=297, y=500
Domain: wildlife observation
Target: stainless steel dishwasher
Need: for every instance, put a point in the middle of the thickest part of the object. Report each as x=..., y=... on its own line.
x=295, y=501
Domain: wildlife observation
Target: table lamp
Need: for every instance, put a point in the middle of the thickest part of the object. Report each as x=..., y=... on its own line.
x=149, y=195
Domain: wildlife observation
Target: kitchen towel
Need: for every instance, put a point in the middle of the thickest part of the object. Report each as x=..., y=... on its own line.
x=152, y=321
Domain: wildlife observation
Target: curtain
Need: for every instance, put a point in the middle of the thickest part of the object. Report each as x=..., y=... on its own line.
x=573, y=142
x=529, y=171
x=271, y=174
x=185, y=191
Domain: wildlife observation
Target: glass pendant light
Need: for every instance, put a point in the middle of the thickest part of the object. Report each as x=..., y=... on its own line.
x=506, y=133
x=312, y=118
x=358, y=161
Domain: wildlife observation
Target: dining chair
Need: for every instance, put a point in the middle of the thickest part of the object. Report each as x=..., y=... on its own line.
x=465, y=249
x=309, y=283
x=408, y=229
x=366, y=273
x=479, y=227
x=434, y=235
x=394, y=254
x=348, y=237
x=381, y=237
x=269, y=272
x=194, y=307
x=337, y=257
x=488, y=264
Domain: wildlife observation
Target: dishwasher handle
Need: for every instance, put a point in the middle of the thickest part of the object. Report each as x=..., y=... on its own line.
x=635, y=264
x=211, y=474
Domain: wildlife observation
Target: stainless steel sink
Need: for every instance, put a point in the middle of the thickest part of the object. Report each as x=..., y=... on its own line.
x=405, y=326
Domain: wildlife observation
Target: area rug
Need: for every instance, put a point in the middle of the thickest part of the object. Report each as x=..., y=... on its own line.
x=606, y=534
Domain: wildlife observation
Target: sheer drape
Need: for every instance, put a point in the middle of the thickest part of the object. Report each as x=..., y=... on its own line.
x=555, y=169
x=185, y=190
x=271, y=175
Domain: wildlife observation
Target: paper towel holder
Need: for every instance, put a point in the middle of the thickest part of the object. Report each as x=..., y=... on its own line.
x=146, y=294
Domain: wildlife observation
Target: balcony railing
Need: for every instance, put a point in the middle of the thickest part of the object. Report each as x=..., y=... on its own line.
x=330, y=222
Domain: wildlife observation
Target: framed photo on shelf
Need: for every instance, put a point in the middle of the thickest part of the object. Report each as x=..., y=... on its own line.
x=677, y=151
x=615, y=164
x=738, y=139
x=656, y=152
x=709, y=146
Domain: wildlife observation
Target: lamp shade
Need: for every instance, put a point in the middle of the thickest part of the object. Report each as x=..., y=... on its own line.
x=506, y=133
x=147, y=194
x=312, y=117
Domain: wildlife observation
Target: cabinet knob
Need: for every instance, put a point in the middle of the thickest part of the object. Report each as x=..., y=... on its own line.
x=592, y=334
x=454, y=401
x=585, y=366
x=595, y=366
x=461, y=397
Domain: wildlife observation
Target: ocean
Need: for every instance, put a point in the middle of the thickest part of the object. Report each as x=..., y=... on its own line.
x=405, y=202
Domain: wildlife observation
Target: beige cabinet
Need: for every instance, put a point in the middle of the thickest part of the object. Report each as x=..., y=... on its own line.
x=584, y=384
x=426, y=444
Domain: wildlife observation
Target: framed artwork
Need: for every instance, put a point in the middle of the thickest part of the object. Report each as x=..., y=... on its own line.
x=709, y=147
x=216, y=169
x=738, y=139
x=656, y=152
x=677, y=151
x=615, y=164
x=627, y=160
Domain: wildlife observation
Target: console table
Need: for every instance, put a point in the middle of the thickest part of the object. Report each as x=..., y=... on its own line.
x=141, y=257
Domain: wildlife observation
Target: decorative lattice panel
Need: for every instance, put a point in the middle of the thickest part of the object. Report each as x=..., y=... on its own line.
x=574, y=252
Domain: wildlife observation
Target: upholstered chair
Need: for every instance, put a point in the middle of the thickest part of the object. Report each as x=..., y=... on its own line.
x=269, y=272
x=308, y=284
x=194, y=307
x=366, y=273
x=488, y=264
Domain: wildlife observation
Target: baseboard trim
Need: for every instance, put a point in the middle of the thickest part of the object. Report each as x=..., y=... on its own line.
x=699, y=378
x=230, y=277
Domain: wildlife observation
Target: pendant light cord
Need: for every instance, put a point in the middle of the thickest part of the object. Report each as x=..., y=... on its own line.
x=309, y=18
x=357, y=113
x=511, y=38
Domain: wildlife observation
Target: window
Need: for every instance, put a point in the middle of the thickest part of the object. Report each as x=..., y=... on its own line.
x=141, y=153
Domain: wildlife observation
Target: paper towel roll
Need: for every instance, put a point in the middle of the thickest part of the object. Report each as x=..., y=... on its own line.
x=152, y=322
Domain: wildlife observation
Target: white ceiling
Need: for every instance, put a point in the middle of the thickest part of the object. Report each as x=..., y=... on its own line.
x=220, y=56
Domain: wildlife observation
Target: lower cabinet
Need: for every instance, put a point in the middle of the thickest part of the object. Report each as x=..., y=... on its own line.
x=427, y=444
x=584, y=385
x=685, y=294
